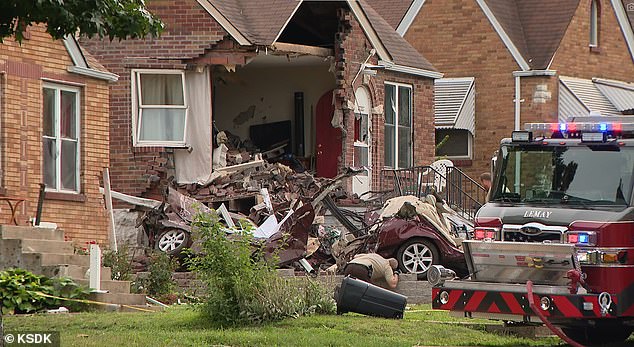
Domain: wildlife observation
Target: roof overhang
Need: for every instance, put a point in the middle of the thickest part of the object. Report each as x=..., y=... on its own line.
x=80, y=65
x=410, y=70
x=409, y=17
x=530, y=73
x=369, y=31
x=624, y=23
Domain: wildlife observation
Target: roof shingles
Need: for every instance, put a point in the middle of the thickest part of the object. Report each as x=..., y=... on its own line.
x=392, y=11
x=536, y=27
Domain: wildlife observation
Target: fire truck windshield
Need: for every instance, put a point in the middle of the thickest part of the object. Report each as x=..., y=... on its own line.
x=579, y=176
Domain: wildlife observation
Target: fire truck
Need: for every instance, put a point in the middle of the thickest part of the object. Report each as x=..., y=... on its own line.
x=554, y=244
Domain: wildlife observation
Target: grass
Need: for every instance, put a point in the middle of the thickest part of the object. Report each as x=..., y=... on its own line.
x=182, y=326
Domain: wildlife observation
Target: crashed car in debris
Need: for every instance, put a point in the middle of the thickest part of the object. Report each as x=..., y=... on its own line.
x=168, y=228
x=416, y=232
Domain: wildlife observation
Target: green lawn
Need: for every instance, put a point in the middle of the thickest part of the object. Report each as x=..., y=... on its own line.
x=182, y=326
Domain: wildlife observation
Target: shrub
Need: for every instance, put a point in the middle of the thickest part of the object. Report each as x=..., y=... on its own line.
x=119, y=262
x=242, y=287
x=19, y=292
x=159, y=282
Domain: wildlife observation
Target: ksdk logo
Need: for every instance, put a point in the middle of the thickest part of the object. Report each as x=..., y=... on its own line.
x=630, y=7
x=34, y=338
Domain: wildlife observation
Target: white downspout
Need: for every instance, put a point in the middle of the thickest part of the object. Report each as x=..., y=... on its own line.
x=517, y=102
x=517, y=127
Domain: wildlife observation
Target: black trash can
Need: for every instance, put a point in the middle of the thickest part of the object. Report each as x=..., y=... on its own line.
x=362, y=297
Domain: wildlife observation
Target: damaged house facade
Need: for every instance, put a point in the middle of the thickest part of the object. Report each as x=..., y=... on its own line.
x=507, y=63
x=54, y=114
x=330, y=82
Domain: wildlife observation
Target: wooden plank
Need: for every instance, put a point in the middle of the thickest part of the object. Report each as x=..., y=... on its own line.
x=132, y=199
x=303, y=49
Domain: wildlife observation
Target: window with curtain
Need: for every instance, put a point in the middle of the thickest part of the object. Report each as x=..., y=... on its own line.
x=398, y=126
x=60, y=134
x=595, y=12
x=161, y=108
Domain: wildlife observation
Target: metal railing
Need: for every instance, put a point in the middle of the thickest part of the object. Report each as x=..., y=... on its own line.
x=460, y=191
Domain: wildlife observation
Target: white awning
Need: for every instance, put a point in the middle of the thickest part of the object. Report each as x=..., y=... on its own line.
x=620, y=94
x=579, y=97
x=454, y=102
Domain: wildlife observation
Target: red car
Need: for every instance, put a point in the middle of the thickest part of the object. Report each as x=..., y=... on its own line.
x=417, y=245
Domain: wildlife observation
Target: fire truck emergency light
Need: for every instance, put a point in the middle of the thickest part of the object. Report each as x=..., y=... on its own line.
x=522, y=136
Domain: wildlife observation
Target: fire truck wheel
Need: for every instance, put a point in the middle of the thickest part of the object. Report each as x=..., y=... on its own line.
x=599, y=334
x=417, y=256
x=173, y=241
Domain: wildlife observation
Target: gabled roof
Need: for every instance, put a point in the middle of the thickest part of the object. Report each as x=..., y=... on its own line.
x=261, y=22
x=392, y=11
x=401, y=51
x=625, y=15
x=535, y=27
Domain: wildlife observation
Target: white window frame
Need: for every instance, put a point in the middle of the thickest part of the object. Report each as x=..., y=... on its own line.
x=58, y=88
x=594, y=23
x=137, y=108
x=396, y=124
x=469, y=146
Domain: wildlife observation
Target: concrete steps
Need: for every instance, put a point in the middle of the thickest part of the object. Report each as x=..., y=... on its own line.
x=112, y=286
x=45, y=251
x=22, y=232
x=119, y=298
x=73, y=271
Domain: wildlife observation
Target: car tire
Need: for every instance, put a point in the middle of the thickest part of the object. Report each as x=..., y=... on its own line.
x=417, y=256
x=173, y=241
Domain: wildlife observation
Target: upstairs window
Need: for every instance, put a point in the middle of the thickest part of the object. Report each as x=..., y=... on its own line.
x=60, y=145
x=160, y=108
x=595, y=14
x=398, y=148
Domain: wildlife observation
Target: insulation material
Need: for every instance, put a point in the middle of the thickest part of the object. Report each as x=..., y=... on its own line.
x=195, y=165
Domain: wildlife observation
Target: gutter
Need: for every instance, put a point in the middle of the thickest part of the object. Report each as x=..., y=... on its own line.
x=518, y=75
x=108, y=76
x=410, y=70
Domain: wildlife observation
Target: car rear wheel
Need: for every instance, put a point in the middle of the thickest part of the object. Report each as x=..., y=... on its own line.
x=173, y=241
x=417, y=256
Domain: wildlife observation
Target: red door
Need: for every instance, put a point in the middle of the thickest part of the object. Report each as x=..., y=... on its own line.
x=328, y=138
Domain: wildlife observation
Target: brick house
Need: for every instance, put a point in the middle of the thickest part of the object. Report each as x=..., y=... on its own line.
x=312, y=74
x=54, y=114
x=511, y=62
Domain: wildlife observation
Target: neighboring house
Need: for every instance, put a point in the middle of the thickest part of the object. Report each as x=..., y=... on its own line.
x=508, y=62
x=54, y=114
x=332, y=78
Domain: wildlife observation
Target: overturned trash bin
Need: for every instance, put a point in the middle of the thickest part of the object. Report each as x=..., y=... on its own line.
x=361, y=297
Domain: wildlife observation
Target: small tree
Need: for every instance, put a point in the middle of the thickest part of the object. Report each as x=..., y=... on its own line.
x=105, y=18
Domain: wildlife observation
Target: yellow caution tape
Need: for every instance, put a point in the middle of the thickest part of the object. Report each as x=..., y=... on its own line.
x=86, y=301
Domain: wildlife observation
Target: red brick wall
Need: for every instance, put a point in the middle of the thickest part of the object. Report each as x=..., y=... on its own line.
x=189, y=33
x=459, y=40
x=611, y=60
x=352, y=50
x=24, y=69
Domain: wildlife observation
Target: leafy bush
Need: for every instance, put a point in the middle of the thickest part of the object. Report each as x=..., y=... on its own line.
x=159, y=282
x=19, y=292
x=119, y=262
x=242, y=287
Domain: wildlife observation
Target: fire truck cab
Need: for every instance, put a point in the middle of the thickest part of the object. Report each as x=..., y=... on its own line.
x=554, y=244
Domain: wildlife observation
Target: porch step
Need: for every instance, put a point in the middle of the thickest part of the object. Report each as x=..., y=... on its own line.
x=47, y=246
x=114, y=287
x=33, y=233
x=73, y=271
x=59, y=259
x=118, y=298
